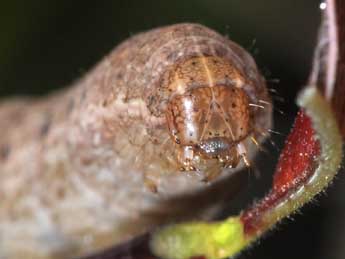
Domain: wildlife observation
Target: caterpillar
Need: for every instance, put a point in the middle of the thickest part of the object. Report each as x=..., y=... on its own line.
x=160, y=123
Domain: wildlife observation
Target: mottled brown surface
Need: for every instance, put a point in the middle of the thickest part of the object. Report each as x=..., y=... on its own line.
x=80, y=168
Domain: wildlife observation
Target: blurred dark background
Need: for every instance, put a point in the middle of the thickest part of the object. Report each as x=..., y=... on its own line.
x=45, y=45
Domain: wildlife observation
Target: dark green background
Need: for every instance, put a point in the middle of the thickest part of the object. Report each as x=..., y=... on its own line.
x=45, y=45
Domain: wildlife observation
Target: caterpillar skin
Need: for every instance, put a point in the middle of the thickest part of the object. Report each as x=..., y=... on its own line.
x=130, y=145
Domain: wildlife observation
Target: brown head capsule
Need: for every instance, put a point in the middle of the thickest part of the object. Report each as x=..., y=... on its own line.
x=208, y=112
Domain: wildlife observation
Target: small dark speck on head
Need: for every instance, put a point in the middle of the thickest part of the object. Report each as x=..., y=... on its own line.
x=5, y=151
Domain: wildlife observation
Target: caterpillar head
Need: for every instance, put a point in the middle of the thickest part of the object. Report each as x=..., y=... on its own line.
x=209, y=123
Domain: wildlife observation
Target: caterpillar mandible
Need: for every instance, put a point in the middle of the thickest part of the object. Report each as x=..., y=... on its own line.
x=118, y=152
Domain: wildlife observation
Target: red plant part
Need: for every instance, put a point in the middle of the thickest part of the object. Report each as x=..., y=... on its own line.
x=296, y=164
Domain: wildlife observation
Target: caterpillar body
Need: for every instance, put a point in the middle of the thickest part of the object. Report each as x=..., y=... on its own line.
x=130, y=145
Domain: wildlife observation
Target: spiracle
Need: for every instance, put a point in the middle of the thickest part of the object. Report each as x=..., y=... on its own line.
x=126, y=147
